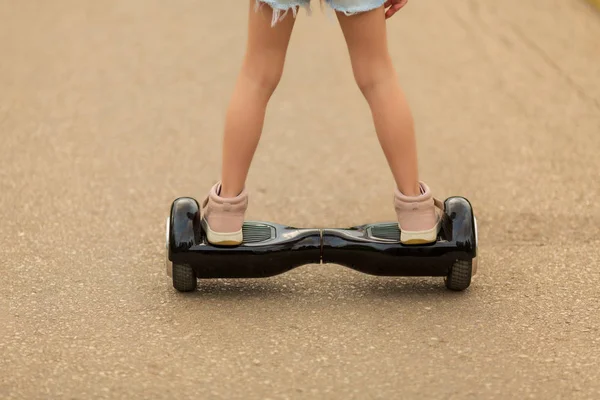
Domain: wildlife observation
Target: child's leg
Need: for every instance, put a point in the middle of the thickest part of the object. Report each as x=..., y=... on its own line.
x=225, y=206
x=261, y=71
x=366, y=37
x=365, y=34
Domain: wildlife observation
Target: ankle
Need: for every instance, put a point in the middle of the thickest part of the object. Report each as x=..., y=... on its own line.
x=411, y=190
x=228, y=191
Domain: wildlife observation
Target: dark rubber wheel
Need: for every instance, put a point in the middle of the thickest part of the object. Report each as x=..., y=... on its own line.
x=184, y=278
x=459, y=277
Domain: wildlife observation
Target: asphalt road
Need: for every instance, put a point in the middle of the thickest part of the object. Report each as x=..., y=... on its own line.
x=109, y=110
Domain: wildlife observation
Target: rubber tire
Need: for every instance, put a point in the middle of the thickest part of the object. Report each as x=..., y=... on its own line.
x=184, y=278
x=459, y=277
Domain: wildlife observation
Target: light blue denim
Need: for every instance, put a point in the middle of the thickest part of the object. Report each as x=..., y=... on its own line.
x=349, y=7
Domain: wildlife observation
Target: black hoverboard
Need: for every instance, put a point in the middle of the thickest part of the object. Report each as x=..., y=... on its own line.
x=272, y=249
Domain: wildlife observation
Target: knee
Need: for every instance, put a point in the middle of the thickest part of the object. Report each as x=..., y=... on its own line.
x=264, y=75
x=365, y=83
x=370, y=74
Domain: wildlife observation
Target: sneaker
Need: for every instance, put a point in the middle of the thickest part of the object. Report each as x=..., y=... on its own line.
x=223, y=218
x=418, y=216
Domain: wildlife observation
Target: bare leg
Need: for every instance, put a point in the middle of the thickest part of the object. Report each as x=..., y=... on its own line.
x=366, y=37
x=260, y=74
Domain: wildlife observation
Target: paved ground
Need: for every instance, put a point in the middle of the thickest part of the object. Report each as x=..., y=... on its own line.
x=109, y=110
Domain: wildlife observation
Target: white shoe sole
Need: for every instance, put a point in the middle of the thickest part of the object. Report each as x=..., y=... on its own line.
x=223, y=239
x=420, y=237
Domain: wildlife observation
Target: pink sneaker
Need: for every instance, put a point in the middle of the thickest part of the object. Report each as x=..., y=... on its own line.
x=223, y=218
x=418, y=216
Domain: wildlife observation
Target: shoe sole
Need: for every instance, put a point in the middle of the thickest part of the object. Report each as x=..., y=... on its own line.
x=419, y=237
x=223, y=239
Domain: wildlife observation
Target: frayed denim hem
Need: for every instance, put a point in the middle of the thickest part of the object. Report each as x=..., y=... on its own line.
x=372, y=5
x=280, y=11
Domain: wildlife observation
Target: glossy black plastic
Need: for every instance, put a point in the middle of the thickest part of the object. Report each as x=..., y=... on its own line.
x=354, y=248
x=289, y=247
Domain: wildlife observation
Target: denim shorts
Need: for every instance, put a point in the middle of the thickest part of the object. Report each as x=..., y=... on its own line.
x=349, y=7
